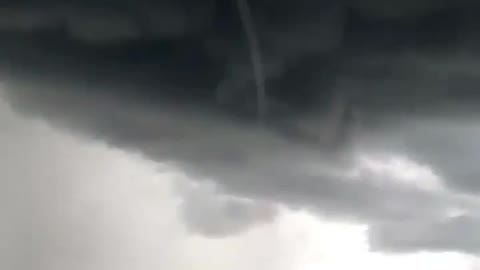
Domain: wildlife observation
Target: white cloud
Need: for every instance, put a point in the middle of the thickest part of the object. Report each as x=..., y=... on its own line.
x=401, y=170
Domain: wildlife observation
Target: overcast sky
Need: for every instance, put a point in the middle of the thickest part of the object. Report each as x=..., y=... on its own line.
x=119, y=157
x=74, y=201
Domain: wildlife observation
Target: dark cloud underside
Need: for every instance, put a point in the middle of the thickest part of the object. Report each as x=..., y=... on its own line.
x=343, y=77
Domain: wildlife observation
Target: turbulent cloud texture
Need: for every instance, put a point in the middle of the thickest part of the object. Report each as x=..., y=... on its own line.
x=72, y=203
x=373, y=183
x=378, y=125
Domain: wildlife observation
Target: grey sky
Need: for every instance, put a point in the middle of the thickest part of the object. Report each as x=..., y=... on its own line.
x=76, y=202
x=256, y=164
x=113, y=168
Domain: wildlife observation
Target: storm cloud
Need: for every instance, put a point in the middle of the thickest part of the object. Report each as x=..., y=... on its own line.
x=351, y=86
x=454, y=233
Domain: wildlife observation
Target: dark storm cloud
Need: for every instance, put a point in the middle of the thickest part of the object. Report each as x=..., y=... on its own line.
x=455, y=233
x=400, y=9
x=451, y=147
x=246, y=162
x=97, y=21
x=401, y=67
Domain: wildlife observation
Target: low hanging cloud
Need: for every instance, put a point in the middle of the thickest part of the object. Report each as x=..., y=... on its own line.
x=453, y=233
x=212, y=214
x=89, y=205
x=453, y=148
x=259, y=165
x=155, y=99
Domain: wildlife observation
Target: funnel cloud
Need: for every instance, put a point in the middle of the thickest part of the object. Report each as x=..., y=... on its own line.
x=370, y=109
